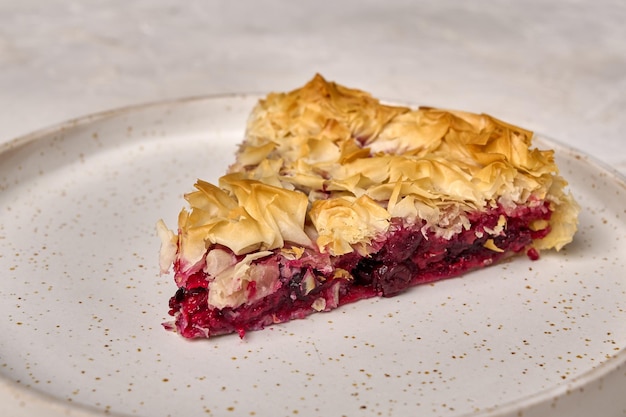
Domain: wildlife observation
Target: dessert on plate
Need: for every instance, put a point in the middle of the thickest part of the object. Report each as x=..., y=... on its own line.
x=335, y=197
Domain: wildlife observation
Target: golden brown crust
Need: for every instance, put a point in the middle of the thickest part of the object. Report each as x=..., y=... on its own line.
x=329, y=166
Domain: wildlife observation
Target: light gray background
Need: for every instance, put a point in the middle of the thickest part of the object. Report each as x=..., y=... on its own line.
x=557, y=67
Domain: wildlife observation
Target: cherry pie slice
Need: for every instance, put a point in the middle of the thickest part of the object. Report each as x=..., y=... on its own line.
x=335, y=197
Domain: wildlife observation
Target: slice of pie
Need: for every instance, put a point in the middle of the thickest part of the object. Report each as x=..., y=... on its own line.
x=335, y=197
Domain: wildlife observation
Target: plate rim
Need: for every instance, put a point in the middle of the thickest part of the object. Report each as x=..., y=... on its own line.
x=85, y=119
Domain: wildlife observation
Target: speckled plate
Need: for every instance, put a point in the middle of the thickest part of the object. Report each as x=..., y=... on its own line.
x=83, y=302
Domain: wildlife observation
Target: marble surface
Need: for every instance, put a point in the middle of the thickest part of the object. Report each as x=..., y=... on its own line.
x=556, y=67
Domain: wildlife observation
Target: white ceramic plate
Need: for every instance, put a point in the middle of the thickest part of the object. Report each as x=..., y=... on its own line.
x=82, y=301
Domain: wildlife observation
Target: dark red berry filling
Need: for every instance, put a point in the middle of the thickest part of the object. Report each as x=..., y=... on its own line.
x=407, y=257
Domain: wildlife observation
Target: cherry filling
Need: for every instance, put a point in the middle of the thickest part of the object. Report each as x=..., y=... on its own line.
x=407, y=257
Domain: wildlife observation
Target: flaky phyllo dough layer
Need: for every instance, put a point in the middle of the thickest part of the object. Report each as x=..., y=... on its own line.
x=327, y=167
